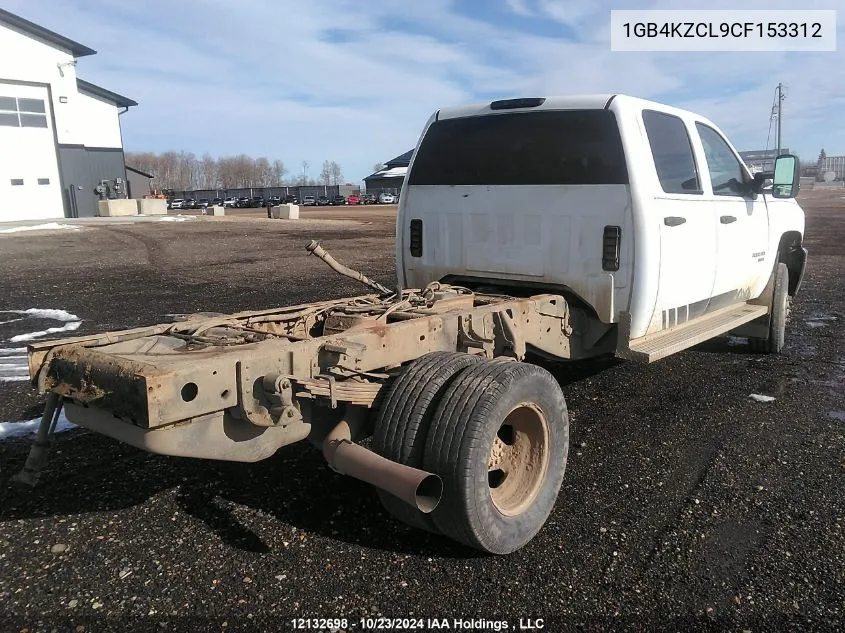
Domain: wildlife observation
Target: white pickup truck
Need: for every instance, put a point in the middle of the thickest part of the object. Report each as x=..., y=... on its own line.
x=565, y=228
x=643, y=214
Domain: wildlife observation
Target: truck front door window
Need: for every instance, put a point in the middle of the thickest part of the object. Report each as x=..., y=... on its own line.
x=726, y=173
x=672, y=153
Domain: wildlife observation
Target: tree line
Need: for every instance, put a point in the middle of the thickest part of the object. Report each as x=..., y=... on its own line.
x=183, y=171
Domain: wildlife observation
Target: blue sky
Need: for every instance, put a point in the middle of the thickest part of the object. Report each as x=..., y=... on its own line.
x=355, y=80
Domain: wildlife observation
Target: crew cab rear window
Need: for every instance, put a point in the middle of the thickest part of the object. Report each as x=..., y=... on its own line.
x=568, y=147
x=672, y=153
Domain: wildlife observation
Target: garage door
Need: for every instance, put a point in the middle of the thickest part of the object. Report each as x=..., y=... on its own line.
x=29, y=171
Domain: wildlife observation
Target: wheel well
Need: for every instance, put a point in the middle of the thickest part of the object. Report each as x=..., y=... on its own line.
x=520, y=289
x=791, y=253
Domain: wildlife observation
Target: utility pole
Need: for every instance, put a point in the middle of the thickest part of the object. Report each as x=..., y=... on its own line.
x=780, y=112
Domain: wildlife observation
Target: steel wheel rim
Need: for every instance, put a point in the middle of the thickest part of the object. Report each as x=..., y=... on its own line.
x=518, y=460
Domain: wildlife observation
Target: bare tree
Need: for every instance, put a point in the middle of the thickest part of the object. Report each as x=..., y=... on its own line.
x=277, y=173
x=182, y=171
x=378, y=167
x=209, y=173
x=326, y=173
x=261, y=172
x=336, y=173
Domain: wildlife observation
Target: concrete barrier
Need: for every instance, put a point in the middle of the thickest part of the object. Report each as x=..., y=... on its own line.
x=114, y=208
x=216, y=210
x=152, y=206
x=285, y=212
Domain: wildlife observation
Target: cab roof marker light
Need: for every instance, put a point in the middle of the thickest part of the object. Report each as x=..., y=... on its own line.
x=510, y=104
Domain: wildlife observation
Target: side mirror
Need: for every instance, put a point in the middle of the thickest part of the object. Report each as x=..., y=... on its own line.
x=787, y=176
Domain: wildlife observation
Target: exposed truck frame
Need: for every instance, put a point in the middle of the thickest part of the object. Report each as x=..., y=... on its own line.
x=239, y=387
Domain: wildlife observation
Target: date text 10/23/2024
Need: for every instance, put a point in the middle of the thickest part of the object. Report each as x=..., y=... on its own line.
x=415, y=624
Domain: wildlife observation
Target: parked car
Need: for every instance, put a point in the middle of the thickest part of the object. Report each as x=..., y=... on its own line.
x=230, y=202
x=190, y=203
x=274, y=200
x=176, y=203
x=353, y=199
x=257, y=202
x=309, y=201
x=368, y=198
x=323, y=201
x=338, y=200
x=217, y=202
x=290, y=199
x=243, y=203
x=202, y=203
x=386, y=198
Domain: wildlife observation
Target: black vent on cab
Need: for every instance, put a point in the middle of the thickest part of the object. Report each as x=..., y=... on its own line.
x=416, y=238
x=611, y=245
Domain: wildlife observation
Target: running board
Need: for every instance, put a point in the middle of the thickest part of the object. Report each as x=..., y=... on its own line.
x=648, y=349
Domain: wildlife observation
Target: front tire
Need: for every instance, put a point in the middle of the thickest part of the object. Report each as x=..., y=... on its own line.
x=499, y=440
x=773, y=344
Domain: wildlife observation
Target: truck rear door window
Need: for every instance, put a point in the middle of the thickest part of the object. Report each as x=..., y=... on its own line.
x=557, y=147
x=672, y=153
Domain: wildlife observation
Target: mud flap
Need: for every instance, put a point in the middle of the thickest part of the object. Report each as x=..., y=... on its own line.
x=759, y=328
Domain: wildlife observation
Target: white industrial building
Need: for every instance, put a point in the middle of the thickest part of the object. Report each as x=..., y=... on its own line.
x=834, y=164
x=60, y=135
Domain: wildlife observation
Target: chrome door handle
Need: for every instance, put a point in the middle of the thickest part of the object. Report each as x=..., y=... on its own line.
x=673, y=220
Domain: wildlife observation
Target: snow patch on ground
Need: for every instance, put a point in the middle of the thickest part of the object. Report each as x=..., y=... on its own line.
x=760, y=398
x=56, y=315
x=175, y=218
x=67, y=327
x=71, y=322
x=30, y=427
x=837, y=415
x=50, y=226
x=815, y=324
x=734, y=341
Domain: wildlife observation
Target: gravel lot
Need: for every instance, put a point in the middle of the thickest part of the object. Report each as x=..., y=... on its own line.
x=687, y=505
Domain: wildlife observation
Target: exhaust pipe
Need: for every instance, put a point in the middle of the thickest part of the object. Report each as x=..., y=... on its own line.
x=418, y=488
x=314, y=248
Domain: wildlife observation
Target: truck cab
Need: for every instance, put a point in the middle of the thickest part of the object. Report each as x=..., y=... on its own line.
x=638, y=213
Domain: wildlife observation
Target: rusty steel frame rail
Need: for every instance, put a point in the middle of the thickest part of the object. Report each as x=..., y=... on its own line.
x=241, y=386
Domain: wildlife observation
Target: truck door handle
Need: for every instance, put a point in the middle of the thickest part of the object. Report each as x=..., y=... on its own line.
x=673, y=220
x=727, y=219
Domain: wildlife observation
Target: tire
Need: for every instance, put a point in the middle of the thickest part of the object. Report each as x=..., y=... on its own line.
x=404, y=418
x=773, y=344
x=491, y=406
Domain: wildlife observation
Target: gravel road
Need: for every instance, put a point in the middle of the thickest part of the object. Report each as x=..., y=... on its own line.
x=687, y=504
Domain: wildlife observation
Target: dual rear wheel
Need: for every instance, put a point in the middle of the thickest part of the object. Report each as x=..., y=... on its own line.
x=496, y=432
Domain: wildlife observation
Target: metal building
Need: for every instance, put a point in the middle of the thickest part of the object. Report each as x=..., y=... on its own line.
x=761, y=159
x=60, y=135
x=137, y=182
x=390, y=178
x=836, y=164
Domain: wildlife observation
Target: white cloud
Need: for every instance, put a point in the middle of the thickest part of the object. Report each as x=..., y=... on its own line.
x=519, y=6
x=355, y=82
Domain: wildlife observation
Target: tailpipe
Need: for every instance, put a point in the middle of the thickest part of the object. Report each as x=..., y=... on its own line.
x=314, y=248
x=415, y=487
